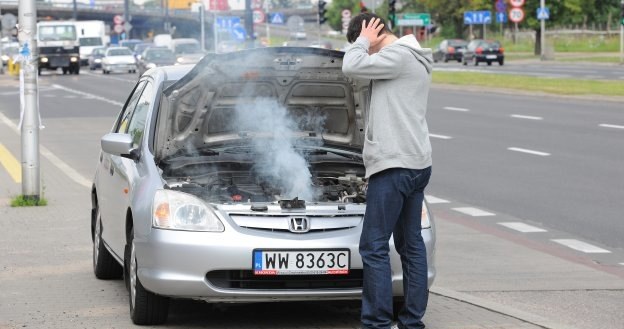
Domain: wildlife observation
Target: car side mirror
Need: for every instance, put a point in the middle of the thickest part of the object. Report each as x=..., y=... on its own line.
x=120, y=145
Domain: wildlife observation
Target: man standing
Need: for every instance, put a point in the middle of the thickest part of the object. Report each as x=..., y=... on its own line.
x=397, y=157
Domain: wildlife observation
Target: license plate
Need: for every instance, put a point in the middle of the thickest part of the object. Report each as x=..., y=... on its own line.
x=301, y=262
x=490, y=56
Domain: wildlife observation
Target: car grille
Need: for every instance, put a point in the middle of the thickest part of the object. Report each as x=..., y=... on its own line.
x=280, y=223
x=242, y=279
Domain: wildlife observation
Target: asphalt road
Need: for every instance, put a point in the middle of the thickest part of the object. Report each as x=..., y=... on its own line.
x=547, y=69
x=546, y=160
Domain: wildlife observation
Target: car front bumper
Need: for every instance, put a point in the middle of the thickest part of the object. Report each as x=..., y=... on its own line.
x=177, y=263
x=119, y=67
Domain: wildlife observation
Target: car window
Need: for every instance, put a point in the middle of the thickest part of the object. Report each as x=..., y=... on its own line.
x=129, y=109
x=119, y=52
x=137, y=122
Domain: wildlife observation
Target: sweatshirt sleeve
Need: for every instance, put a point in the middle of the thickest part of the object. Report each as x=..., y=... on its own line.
x=385, y=64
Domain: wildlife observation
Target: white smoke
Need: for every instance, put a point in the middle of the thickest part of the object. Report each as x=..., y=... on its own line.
x=276, y=149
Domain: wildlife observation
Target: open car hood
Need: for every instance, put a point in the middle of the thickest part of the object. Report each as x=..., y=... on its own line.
x=239, y=97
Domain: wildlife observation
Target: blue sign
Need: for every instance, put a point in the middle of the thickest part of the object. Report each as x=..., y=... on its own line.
x=501, y=6
x=477, y=17
x=276, y=18
x=239, y=33
x=501, y=18
x=227, y=22
x=543, y=13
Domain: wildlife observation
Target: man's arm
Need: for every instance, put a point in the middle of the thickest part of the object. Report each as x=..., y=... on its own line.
x=357, y=63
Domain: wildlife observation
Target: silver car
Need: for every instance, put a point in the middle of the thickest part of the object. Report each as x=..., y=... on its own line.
x=118, y=59
x=237, y=180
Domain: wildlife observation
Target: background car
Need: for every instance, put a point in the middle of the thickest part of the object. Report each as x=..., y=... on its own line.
x=130, y=43
x=187, y=50
x=233, y=181
x=155, y=57
x=118, y=59
x=9, y=50
x=450, y=50
x=140, y=48
x=95, y=59
x=487, y=51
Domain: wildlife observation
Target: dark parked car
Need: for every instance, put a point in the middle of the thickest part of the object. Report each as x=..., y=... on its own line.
x=154, y=57
x=450, y=50
x=140, y=48
x=484, y=51
x=95, y=59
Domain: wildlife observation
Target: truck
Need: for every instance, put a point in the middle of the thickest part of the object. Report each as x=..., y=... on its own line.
x=91, y=34
x=59, y=46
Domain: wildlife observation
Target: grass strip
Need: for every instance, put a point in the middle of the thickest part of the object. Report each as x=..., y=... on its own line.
x=21, y=201
x=547, y=85
x=597, y=59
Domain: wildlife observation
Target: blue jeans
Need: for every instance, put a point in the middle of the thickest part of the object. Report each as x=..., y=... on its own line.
x=394, y=206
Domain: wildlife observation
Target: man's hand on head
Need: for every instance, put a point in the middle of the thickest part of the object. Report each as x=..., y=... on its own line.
x=371, y=32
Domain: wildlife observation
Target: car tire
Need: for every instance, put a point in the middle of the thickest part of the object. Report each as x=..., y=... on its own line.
x=464, y=62
x=501, y=62
x=65, y=70
x=446, y=60
x=489, y=63
x=475, y=62
x=459, y=61
x=146, y=308
x=105, y=266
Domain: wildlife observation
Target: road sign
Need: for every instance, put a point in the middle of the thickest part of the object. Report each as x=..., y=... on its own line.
x=118, y=19
x=477, y=17
x=414, y=19
x=118, y=28
x=295, y=23
x=516, y=15
x=227, y=22
x=277, y=18
x=501, y=18
x=8, y=22
x=258, y=16
x=239, y=33
x=346, y=18
x=516, y=3
x=501, y=6
x=543, y=13
x=127, y=27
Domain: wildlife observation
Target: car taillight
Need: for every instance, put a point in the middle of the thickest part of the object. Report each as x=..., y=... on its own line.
x=479, y=50
x=451, y=50
x=501, y=49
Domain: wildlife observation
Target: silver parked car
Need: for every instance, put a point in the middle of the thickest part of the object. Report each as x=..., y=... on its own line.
x=237, y=180
x=118, y=59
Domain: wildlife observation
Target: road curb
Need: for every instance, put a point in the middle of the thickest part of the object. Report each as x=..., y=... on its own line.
x=499, y=308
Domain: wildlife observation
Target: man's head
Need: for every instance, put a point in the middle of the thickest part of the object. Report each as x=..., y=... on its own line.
x=355, y=25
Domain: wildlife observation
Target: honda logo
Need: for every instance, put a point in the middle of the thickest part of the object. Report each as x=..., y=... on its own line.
x=299, y=224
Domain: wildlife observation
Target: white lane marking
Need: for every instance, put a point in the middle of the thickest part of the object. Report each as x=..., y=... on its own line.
x=10, y=93
x=581, y=246
x=431, y=199
x=522, y=227
x=517, y=149
x=70, y=96
x=457, y=109
x=112, y=78
x=622, y=263
x=60, y=164
x=474, y=212
x=440, y=136
x=606, y=125
x=528, y=117
x=82, y=93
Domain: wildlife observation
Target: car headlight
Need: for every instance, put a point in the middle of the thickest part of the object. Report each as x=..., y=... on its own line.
x=73, y=59
x=180, y=211
x=5, y=58
x=150, y=66
x=180, y=60
x=425, y=221
x=44, y=59
x=97, y=60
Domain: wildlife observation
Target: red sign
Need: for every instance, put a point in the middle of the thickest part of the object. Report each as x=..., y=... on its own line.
x=516, y=15
x=516, y=3
x=118, y=19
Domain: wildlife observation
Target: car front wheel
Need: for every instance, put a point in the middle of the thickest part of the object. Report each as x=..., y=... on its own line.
x=105, y=266
x=146, y=308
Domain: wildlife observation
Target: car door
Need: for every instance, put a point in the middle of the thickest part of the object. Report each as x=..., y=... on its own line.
x=112, y=194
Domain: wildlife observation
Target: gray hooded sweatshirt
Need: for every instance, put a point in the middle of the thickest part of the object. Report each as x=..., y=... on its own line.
x=396, y=134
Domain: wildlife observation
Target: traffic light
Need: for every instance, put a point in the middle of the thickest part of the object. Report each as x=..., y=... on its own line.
x=391, y=12
x=322, y=11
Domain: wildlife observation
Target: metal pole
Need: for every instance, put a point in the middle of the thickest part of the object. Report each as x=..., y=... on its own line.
x=621, y=43
x=202, y=14
x=214, y=30
x=1, y=63
x=126, y=12
x=75, y=11
x=267, y=8
x=484, y=32
x=27, y=33
x=542, y=31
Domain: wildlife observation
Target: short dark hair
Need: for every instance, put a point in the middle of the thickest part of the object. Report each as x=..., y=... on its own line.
x=355, y=25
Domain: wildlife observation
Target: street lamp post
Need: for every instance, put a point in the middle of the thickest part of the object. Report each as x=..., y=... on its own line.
x=27, y=33
x=542, y=31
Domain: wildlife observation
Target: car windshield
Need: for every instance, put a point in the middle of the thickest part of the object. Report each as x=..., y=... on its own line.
x=99, y=51
x=141, y=47
x=119, y=52
x=187, y=48
x=457, y=43
x=491, y=44
x=159, y=54
x=57, y=33
x=129, y=44
x=94, y=41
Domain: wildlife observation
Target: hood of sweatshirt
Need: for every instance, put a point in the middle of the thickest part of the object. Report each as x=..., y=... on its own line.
x=423, y=55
